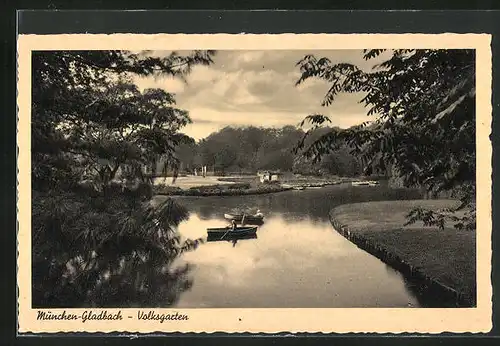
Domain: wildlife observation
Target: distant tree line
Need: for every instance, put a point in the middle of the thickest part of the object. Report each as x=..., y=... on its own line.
x=249, y=149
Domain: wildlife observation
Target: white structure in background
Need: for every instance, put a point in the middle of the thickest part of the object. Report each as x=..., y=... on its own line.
x=203, y=171
x=267, y=176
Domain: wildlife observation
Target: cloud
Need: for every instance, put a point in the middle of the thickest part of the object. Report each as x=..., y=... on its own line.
x=202, y=75
x=258, y=88
x=207, y=120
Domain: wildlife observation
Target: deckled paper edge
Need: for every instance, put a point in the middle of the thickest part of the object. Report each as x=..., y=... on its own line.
x=271, y=321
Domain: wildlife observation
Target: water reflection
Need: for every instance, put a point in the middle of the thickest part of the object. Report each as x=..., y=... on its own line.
x=295, y=260
x=430, y=296
x=314, y=204
x=299, y=265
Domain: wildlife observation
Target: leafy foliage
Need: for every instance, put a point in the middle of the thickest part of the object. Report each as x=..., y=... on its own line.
x=423, y=105
x=121, y=250
x=247, y=149
x=98, y=240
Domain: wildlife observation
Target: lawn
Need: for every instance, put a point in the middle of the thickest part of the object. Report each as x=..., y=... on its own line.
x=447, y=256
x=224, y=189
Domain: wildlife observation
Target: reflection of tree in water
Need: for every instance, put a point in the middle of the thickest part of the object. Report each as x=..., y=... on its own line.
x=123, y=256
x=204, y=211
x=149, y=287
x=297, y=205
x=427, y=296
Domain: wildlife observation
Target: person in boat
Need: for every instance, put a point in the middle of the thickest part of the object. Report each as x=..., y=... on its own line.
x=233, y=225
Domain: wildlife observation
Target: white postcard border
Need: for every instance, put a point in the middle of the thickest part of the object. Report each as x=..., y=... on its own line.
x=380, y=320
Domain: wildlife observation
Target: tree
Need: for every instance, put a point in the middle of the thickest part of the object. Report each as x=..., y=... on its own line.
x=224, y=157
x=186, y=152
x=341, y=162
x=277, y=159
x=97, y=242
x=123, y=128
x=423, y=102
x=236, y=149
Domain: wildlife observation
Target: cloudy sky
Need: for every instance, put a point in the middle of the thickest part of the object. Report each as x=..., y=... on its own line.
x=258, y=88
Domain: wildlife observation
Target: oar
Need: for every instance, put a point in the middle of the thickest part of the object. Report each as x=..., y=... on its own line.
x=232, y=227
x=227, y=232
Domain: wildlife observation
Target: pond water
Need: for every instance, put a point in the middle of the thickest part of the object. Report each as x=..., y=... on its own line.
x=297, y=260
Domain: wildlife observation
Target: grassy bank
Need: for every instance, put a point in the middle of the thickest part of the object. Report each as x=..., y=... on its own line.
x=241, y=185
x=236, y=189
x=443, y=261
x=293, y=181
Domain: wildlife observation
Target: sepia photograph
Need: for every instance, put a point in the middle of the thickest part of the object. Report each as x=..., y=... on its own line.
x=187, y=179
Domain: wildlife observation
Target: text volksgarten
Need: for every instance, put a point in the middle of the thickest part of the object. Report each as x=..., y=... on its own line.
x=90, y=315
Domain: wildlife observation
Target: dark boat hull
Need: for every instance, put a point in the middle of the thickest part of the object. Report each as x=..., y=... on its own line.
x=228, y=232
x=228, y=237
x=249, y=219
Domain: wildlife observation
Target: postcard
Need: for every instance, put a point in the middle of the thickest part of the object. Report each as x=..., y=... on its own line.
x=288, y=183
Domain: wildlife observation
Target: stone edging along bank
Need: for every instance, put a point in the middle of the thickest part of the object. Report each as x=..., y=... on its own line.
x=396, y=262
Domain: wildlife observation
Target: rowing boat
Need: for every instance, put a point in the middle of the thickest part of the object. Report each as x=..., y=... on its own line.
x=248, y=218
x=238, y=231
